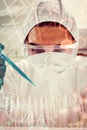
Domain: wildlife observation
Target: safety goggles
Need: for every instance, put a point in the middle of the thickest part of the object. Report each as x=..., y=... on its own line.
x=36, y=49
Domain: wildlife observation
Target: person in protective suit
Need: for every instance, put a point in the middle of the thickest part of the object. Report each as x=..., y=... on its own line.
x=50, y=47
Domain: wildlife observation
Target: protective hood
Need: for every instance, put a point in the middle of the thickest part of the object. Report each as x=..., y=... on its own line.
x=46, y=10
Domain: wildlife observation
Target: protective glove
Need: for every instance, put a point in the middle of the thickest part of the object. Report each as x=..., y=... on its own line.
x=2, y=67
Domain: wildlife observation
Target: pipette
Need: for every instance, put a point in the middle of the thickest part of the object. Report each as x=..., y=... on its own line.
x=15, y=66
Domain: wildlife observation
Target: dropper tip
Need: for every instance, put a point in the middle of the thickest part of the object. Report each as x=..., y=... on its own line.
x=34, y=85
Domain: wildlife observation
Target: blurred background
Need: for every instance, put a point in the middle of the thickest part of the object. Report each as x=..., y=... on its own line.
x=13, y=14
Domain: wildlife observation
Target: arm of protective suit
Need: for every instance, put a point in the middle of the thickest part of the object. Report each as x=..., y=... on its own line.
x=82, y=73
x=15, y=87
x=15, y=84
x=82, y=81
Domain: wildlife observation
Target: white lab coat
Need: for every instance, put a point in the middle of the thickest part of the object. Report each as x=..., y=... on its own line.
x=55, y=102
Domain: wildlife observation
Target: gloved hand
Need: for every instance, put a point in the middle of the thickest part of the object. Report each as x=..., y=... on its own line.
x=2, y=67
x=2, y=71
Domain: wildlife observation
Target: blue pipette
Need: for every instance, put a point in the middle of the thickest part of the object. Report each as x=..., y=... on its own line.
x=15, y=66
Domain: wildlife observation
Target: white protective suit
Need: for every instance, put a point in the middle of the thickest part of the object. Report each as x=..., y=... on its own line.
x=55, y=102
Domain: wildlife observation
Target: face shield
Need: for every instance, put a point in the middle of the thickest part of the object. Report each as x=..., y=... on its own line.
x=46, y=11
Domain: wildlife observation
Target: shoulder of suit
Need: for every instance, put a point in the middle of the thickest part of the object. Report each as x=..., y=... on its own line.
x=81, y=61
